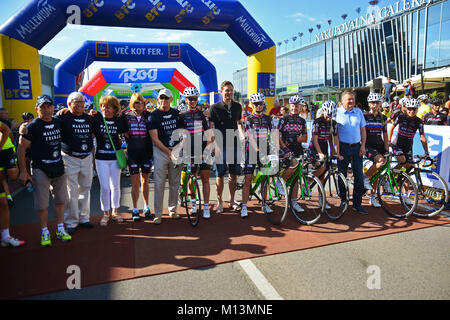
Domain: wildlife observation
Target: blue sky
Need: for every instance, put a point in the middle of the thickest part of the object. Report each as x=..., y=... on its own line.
x=281, y=19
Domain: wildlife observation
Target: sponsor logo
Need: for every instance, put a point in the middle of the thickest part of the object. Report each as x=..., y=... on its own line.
x=45, y=10
x=167, y=117
x=266, y=84
x=50, y=126
x=79, y=120
x=174, y=51
x=133, y=75
x=17, y=84
x=101, y=50
x=256, y=35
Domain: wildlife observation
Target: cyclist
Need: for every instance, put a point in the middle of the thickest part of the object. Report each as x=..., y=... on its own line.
x=292, y=134
x=408, y=124
x=197, y=125
x=139, y=152
x=424, y=106
x=257, y=126
x=435, y=117
x=324, y=134
x=6, y=239
x=377, y=141
x=386, y=110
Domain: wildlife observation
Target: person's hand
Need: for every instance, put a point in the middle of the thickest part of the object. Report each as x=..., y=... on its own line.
x=23, y=130
x=24, y=177
x=362, y=151
x=93, y=112
x=63, y=111
x=340, y=158
x=321, y=156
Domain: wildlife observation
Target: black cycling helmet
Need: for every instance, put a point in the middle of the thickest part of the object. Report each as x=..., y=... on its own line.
x=437, y=102
x=27, y=116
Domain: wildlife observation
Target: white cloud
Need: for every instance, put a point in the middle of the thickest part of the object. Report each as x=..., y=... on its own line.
x=299, y=17
x=172, y=36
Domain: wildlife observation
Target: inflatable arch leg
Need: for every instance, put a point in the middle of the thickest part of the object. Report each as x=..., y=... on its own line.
x=259, y=64
x=20, y=64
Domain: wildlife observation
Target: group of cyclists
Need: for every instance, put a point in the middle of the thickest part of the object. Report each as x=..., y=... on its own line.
x=150, y=136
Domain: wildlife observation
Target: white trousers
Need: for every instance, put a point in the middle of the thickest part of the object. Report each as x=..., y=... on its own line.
x=108, y=173
x=79, y=181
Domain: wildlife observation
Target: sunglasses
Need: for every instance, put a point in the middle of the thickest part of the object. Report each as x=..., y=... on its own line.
x=192, y=98
x=257, y=104
x=164, y=98
x=138, y=102
x=411, y=109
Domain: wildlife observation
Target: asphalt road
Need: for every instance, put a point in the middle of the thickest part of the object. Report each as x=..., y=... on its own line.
x=410, y=265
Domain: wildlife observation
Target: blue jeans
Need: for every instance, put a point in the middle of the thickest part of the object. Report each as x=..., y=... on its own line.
x=351, y=155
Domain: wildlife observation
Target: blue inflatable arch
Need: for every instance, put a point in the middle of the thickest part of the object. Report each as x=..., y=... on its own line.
x=67, y=70
x=38, y=22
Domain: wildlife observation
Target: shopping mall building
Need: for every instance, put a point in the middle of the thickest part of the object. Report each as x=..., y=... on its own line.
x=403, y=40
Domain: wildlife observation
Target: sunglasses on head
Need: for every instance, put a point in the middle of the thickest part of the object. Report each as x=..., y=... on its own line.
x=164, y=98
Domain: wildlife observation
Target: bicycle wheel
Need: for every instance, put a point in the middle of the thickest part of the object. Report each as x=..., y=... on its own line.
x=274, y=199
x=332, y=188
x=309, y=209
x=432, y=193
x=398, y=198
x=193, y=202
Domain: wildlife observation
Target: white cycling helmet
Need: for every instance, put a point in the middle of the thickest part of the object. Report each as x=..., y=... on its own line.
x=190, y=92
x=374, y=97
x=297, y=99
x=402, y=101
x=385, y=105
x=423, y=97
x=412, y=103
x=257, y=98
x=329, y=108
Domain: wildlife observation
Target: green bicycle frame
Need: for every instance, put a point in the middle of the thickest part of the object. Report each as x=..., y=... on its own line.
x=301, y=180
x=386, y=169
x=185, y=182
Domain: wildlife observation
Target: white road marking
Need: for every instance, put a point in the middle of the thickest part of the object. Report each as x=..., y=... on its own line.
x=259, y=280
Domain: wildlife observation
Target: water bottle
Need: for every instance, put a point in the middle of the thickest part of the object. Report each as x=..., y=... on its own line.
x=29, y=186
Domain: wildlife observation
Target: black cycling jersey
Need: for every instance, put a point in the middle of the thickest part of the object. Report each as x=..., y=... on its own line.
x=196, y=123
x=439, y=119
x=407, y=128
x=323, y=129
x=375, y=128
x=291, y=128
x=259, y=127
x=139, y=143
x=165, y=123
x=395, y=114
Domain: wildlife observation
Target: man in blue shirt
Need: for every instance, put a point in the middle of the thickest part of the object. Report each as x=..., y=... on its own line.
x=352, y=147
x=389, y=90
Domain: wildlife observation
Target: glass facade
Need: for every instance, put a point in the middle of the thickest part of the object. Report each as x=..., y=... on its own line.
x=399, y=47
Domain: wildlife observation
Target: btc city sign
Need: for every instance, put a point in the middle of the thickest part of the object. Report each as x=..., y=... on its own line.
x=374, y=14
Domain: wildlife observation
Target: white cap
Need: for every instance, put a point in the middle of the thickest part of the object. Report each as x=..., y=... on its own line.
x=165, y=92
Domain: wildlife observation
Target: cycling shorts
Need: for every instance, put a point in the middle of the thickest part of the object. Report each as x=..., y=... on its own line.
x=373, y=151
x=8, y=159
x=403, y=151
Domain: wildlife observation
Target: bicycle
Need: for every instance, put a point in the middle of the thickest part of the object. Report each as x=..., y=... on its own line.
x=394, y=186
x=190, y=200
x=272, y=192
x=433, y=195
x=309, y=186
x=335, y=181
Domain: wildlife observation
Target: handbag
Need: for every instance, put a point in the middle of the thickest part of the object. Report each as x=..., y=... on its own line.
x=120, y=155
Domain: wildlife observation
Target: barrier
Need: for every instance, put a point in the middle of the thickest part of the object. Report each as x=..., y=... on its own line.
x=38, y=22
x=67, y=70
x=104, y=77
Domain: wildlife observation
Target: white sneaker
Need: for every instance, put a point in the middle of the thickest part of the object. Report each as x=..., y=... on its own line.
x=266, y=209
x=406, y=199
x=280, y=188
x=236, y=206
x=12, y=242
x=193, y=207
x=297, y=207
x=327, y=206
x=244, y=213
x=219, y=209
x=206, y=213
x=374, y=202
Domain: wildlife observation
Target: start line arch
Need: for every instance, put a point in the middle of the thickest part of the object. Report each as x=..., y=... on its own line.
x=37, y=23
x=105, y=76
x=67, y=70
